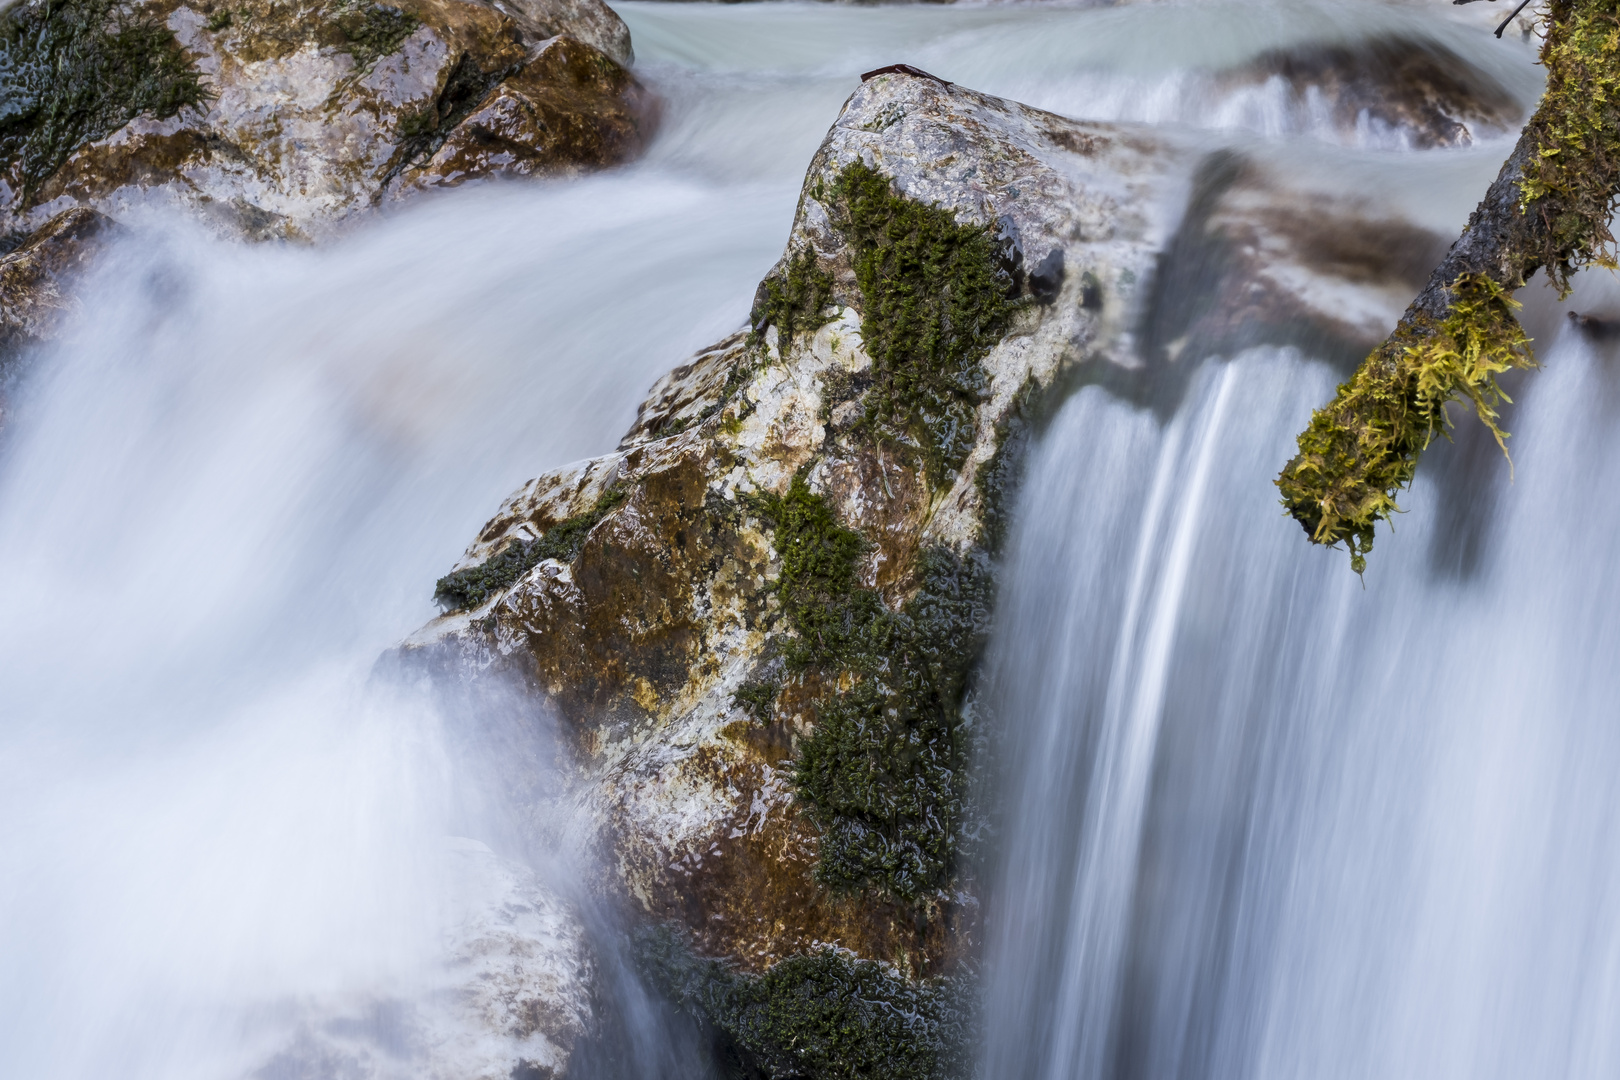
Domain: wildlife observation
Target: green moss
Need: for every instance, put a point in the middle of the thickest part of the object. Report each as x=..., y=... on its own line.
x=373, y=31
x=415, y=125
x=563, y=541
x=1571, y=185
x=934, y=303
x=1363, y=447
x=220, y=20
x=795, y=299
x=820, y=1016
x=757, y=699
x=818, y=586
x=883, y=774
x=74, y=71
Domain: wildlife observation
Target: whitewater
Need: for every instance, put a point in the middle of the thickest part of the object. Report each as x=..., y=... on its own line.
x=1263, y=818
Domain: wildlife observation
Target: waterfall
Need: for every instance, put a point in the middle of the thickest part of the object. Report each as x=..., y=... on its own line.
x=1263, y=819
x=1268, y=820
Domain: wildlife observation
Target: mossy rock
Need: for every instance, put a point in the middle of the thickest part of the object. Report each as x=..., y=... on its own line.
x=74, y=71
x=825, y=1015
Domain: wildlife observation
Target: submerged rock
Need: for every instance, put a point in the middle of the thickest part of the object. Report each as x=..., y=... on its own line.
x=1417, y=91
x=512, y=997
x=282, y=119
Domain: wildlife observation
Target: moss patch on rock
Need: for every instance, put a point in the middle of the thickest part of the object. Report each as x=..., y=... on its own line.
x=472, y=586
x=883, y=775
x=373, y=31
x=1363, y=447
x=74, y=71
x=794, y=299
x=935, y=301
x=820, y=1016
x=1571, y=185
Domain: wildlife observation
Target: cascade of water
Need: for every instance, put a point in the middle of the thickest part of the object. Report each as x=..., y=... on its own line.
x=1374, y=841
x=226, y=847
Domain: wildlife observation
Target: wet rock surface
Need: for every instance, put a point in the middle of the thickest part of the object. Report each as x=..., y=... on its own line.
x=513, y=996
x=284, y=119
x=36, y=277
x=37, y=280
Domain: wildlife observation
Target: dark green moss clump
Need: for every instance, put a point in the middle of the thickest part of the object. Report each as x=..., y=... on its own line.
x=935, y=302
x=821, y=1016
x=74, y=71
x=795, y=299
x=883, y=775
x=374, y=30
x=563, y=541
x=757, y=699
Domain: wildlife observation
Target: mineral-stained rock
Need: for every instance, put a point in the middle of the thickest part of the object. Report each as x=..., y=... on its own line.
x=757, y=619
x=281, y=119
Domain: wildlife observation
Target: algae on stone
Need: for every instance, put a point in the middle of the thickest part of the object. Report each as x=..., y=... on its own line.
x=73, y=71
x=373, y=31
x=794, y=299
x=825, y=1015
x=883, y=774
x=933, y=304
x=470, y=587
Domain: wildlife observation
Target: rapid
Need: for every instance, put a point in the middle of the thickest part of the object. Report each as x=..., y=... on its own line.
x=1261, y=818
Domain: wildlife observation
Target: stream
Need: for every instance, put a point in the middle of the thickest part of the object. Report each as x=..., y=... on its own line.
x=1263, y=819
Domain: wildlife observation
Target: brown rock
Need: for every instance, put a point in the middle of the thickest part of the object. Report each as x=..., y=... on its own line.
x=36, y=284
x=316, y=109
x=568, y=109
x=36, y=277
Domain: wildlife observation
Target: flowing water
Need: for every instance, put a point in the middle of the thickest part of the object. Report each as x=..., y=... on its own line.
x=1264, y=819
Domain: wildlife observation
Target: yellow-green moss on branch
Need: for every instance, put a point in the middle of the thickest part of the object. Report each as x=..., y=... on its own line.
x=1570, y=185
x=1548, y=208
x=1364, y=446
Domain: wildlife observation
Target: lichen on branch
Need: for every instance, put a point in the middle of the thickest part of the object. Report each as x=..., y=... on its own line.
x=1549, y=208
x=1570, y=185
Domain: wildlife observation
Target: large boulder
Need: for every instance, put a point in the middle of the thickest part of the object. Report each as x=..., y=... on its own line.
x=642, y=592
x=759, y=618
x=275, y=119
